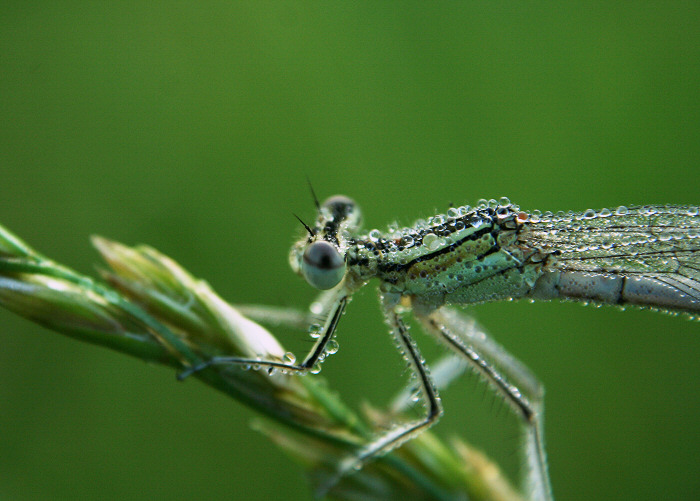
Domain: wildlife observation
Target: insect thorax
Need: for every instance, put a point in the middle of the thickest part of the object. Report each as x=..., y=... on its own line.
x=464, y=258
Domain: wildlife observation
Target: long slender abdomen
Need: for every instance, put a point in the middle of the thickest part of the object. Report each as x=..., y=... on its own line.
x=666, y=292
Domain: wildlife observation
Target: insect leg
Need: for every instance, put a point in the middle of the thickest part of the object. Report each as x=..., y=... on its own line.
x=316, y=355
x=398, y=435
x=509, y=377
x=292, y=318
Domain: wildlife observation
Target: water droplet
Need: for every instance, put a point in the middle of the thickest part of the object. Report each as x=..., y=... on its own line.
x=431, y=241
x=504, y=201
x=332, y=347
x=453, y=212
x=588, y=214
x=289, y=358
x=315, y=330
x=502, y=212
x=374, y=235
x=316, y=368
x=464, y=210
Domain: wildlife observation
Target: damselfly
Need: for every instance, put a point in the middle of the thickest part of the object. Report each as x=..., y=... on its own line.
x=643, y=256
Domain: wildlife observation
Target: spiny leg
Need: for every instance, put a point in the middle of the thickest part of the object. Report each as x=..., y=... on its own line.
x=277, y=316
x=469, y=333
x=398, y=435
x=443, y=373
x=293, y=317
x=315, y=356
x=505, y=374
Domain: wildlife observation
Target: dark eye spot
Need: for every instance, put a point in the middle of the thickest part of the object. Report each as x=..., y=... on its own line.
x=323, y=256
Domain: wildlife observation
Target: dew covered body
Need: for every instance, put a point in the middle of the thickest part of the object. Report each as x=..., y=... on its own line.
x=645, y=256
x=469, y=258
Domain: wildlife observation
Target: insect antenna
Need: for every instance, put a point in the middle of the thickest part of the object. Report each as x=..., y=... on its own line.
x=313, y=194
x=306, y=226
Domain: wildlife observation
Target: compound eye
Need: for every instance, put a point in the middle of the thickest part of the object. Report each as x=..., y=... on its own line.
x=322, y=265
x=342, y=208
x=340, y=204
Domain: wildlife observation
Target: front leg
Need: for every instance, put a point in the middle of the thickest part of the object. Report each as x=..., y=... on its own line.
x=426, y=389
x=313, y=359
x=277, y=316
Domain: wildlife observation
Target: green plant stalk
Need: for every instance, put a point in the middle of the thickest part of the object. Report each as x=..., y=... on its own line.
x=153, y=309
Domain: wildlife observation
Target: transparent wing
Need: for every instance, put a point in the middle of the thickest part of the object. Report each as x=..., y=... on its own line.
x=661, y=243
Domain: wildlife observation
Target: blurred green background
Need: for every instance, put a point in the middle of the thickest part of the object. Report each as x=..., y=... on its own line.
x=191, y=126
